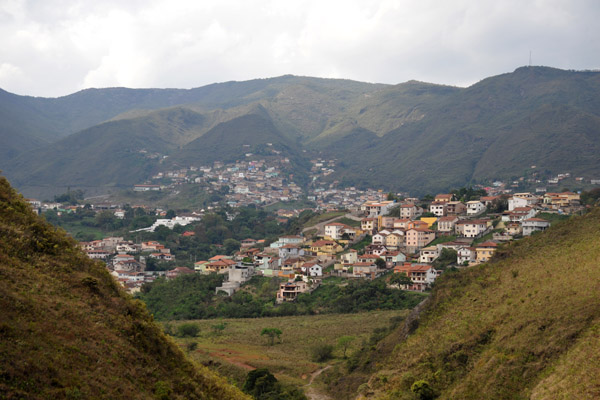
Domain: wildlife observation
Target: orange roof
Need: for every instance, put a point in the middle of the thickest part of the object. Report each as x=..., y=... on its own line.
x=444, y=219
x=320, y=243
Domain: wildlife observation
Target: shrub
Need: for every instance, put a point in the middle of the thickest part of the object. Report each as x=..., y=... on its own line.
x=188, y=330
x=423, y=390
x=322, y=352
x=191, y=346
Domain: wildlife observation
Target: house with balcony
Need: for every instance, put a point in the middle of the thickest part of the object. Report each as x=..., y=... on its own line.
x=417, y=238
x=485, y=251
x=369, y=224
x=471, y=228
x=532, y=225
x=475, y=207
x=421, y=275
x=438, y=208
x=429, y=254
x=446, y=224
x=289, y=291
x=466, y=255
x=377, y=208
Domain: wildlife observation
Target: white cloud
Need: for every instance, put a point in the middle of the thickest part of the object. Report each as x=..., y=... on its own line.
x=59, y=47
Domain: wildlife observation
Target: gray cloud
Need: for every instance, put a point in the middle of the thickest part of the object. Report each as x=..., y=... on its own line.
x=53, y=48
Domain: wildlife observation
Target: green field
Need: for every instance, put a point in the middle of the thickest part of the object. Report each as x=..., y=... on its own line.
x=240, y=347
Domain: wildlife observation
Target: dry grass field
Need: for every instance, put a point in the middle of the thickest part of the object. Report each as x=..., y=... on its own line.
x=240, y=347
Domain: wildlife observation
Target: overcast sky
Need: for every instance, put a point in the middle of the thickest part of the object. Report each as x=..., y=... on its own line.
x=53, y=48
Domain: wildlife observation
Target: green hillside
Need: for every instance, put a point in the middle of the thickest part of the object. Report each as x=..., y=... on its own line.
x=31, y=122
x=109, y=154
x=493, y=129
x=523, y=326
x=68, y=332
x=415, y=136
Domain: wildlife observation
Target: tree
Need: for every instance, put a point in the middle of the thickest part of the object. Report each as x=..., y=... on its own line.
x=447, y=257
x=106, y=220
x=259, y=382
x=400, y=279
x=170, y=214
x=498, y=205
x=271, y=333
x=381, y=264
x=344, y=343
x=231, y=246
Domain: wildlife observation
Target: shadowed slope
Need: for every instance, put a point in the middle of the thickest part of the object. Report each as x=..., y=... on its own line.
x=68, y=331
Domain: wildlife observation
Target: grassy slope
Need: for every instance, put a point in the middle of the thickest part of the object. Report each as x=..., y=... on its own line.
x=242, y=345
x=68, y=331
x=525, y=325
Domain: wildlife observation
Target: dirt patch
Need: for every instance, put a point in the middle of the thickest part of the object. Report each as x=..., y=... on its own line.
x=311, y=392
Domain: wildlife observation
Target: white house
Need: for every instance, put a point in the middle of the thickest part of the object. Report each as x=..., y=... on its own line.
x=522, y=200
x=290, y=250
x=475, y=207
x=471, y=228
x=428, y=254
x=438, y=208
x=378, y=238
x=534, y=225
x=283, y=240
x=311, y=269
x=335, y=230
x=466, y=254
x=377, y=208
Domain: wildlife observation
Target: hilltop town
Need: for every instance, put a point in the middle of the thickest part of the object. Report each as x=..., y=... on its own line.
x=376, y=233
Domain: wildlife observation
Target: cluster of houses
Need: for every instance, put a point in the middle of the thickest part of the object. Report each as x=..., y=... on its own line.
x=401, y=243
x=410, y=233
x=262, y=182
x=248, y=182
x=127, y=260
x=292, y=257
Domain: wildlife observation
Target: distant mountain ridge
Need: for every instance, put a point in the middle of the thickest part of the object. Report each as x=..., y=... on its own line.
x=415, y=136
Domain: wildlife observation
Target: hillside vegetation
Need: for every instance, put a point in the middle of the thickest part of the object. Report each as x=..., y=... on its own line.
x=68, y=331
x=434, y=136
x=525, y=325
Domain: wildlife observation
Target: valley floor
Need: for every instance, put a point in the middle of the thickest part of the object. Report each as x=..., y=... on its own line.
x=240, y=347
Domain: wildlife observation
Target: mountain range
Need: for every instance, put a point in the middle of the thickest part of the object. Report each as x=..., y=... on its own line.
x=415, y=136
